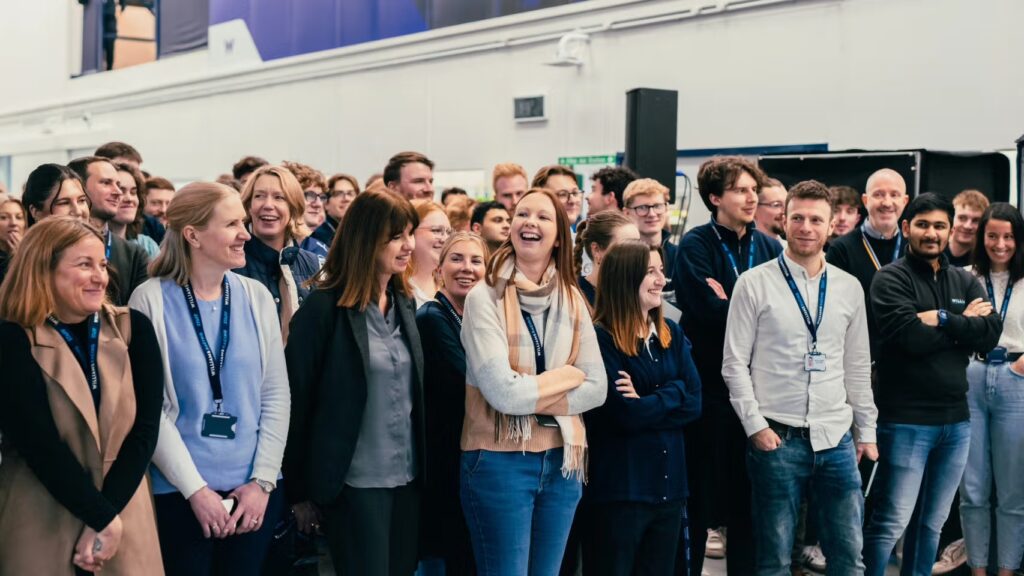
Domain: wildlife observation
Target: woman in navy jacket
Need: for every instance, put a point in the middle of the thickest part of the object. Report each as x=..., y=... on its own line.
x=637, y=489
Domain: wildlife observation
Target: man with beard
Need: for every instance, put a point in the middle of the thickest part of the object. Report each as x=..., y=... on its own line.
x=798, y=368
x=931, y=317
x=770, y=215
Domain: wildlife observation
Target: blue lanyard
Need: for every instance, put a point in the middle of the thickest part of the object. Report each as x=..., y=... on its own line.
x=214, y=367
x=1006, y=296
x=110, y=240
x=812, y=327
x=450, y=308
x=728, y=253
x=538, y=349
x=88, y=362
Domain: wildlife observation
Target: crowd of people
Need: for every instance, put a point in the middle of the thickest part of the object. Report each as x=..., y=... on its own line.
x=215, y=379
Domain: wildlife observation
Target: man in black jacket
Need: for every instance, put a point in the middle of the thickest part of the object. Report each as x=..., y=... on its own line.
x=709, y=260
x=931, y=317
x=127, y=261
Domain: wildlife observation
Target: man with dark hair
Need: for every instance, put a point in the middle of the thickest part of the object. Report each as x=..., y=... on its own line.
x=798, y=367
x=562, y=181
x=410, y=174
x=492, y=222
x=451, y=194
x=127, y=261
x=709, y=260
x=159, y=193
x=847, y=202
x=607, y=186
x=246, y=166
x=931, y=318
x=120, y=153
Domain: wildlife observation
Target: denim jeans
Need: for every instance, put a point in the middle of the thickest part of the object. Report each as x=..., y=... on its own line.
x=996, y=399
x=918, y=465
x=781, y=478
x=518, y=508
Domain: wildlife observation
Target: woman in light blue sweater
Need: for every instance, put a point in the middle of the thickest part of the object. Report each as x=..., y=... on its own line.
x=226, y=400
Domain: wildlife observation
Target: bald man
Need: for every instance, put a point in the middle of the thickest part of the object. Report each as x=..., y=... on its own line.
x=877, y=241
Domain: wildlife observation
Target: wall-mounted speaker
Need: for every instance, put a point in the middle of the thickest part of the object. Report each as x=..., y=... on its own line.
x=651, y=123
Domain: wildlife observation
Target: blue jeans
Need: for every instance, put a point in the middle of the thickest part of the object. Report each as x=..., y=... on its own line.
x=781, y=478
x=919, y=465
x=518, y=508
x=996, y=399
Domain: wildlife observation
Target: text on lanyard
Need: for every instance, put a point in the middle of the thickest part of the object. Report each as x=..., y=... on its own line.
x=87, y=358
x=214, y=366
x=812, y=325
x=1006, y=295
x=728, y=252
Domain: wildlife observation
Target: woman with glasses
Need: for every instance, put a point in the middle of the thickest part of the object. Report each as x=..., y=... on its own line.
x=341, y=190
x=430, y=236
x=313, y=186
x=54, y=190
x=274, y=209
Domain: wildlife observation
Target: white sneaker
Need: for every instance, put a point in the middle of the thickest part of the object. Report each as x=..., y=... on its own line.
x=953, y=557
x=715, y=547
x=813, y=558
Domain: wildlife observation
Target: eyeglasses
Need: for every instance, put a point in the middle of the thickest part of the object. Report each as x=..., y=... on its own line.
x=311, y=196
x=564, y=195
x=645, y=209
x=439, y=232
x=344, y=193
x=773, y=205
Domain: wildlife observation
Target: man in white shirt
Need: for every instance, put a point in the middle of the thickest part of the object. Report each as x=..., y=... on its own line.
x=797, y=364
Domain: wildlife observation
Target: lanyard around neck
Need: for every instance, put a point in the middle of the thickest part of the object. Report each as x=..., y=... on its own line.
x=87, y=357
x=812, y=325
x=538, y=348
x=728, y=252
x=214, y=366
x=1006, y=295
x=871, y=251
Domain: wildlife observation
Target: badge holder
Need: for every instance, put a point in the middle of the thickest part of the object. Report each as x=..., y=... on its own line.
x=218, y=424
x=814, y=361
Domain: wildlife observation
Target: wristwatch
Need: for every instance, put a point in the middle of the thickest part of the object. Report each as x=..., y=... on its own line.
x=267, y=487
x=943, y=317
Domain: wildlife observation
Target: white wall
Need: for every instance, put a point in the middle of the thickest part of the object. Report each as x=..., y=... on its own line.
x=939, y=74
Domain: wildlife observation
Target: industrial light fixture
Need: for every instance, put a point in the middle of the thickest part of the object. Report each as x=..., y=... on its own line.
x=571, y=49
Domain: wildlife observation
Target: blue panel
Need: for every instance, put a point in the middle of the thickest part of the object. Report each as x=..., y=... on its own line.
x=270, y=24
x=357, y=22
x=401, y=17
x=225, y=10
x=313, y=25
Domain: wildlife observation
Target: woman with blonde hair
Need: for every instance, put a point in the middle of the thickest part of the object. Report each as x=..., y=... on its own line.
x=274, y=207
x=79, y=407
x=356, y=451
x=463, y=262
x=226, y=399
x=434, y=228
x=532, y=368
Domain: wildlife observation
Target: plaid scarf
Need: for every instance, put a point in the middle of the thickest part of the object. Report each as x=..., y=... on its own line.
x=561, y=337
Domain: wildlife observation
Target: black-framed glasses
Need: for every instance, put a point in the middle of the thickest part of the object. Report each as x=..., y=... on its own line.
x=564, y=195
x=310, y=196
x=344, y=193
x=645, y=209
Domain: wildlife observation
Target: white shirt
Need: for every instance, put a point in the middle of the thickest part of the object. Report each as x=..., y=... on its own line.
x=1012, y=337
x=766, y=341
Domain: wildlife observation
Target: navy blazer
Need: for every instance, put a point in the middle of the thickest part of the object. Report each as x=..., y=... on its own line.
x=637, y=453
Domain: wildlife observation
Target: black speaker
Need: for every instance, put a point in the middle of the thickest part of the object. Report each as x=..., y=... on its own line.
x=651, y=120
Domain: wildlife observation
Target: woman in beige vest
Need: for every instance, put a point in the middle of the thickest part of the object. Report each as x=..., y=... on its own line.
x=79, y=410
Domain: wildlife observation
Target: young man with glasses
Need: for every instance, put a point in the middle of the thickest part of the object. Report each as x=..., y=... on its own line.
x=709, y=261
x=771, y=208
x=562, y=181
x=342, y=190
x=645, y=202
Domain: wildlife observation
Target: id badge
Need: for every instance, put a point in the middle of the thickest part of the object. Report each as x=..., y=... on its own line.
x=814, y=362
x=546, y=421
x=219, y=425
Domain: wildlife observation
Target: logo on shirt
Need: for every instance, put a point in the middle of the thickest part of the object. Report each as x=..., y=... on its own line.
x=959, y=301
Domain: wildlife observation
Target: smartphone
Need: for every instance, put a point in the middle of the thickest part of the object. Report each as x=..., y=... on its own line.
x=229, y=504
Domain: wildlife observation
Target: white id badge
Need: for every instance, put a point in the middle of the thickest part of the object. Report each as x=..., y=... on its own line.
x=814, y=362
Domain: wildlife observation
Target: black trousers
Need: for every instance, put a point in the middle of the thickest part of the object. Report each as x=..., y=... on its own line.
x=374, y=531
x=632, y=538
x=186, y=552
x=716, y=448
